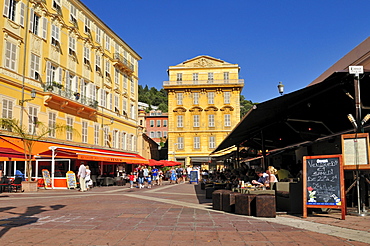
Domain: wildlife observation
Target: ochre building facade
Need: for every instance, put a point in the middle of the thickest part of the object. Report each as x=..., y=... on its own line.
x=204, y=106
x=84, y=75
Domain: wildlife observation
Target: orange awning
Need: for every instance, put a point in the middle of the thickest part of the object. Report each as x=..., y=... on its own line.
x=43, y=149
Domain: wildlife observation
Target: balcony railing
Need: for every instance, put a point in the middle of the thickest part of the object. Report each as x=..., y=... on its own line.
x=205, y=82
x=124, y=61
x=58, y=89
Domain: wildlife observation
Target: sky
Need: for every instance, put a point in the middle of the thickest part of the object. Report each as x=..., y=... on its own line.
x=272, y=41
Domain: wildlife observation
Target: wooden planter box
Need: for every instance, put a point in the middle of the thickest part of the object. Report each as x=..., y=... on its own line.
x=29, y=186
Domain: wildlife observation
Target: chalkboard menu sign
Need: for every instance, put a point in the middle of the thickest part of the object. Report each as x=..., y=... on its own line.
x=47, y=179
x=71, y=180
x=323, y=182
x=194, y=176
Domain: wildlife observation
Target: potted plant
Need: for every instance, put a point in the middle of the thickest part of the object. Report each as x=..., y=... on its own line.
x=39, y=132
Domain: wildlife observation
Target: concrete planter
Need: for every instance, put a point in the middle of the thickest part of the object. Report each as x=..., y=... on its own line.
x=29, y=186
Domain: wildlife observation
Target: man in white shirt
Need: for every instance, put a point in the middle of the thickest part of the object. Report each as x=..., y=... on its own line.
x=81, y=176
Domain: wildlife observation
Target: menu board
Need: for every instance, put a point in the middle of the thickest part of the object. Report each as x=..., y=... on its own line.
x=71, y=180
x=193, y=177
x=323, y=182
x=47, y=179
x=355, y=150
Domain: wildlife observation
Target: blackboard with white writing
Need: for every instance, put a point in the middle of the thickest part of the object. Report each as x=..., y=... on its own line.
x=323, y=181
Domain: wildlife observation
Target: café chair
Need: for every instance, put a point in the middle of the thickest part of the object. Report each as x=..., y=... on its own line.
x=16, y=185
x=4, y=184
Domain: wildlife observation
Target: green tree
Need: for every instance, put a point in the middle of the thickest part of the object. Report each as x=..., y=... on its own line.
x=245, y=106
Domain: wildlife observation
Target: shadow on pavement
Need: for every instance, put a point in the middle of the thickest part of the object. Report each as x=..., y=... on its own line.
x=201, y=195
x=23, y=218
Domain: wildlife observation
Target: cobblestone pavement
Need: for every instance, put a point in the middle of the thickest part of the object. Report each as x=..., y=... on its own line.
x=163, y=215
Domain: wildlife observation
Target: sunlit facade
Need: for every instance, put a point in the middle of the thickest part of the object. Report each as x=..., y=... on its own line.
x=203, y=105
x=83, y=73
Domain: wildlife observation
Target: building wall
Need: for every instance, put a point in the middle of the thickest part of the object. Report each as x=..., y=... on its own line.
x=159, y=129
x=81, y=70
x=193, y=116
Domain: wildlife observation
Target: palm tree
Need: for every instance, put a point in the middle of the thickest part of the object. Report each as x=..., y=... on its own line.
x=30, y=136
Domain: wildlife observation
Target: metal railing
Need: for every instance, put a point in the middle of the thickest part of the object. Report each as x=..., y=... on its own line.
x=123, y=60
x=58, y=89
x=204, y=82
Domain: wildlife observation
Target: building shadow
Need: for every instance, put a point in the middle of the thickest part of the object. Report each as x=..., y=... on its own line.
x=201, y=195
x=22, y=219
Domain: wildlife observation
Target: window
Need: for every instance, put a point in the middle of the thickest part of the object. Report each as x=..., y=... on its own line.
x=152, y=135
x=164, y=123
x=86, y=55
x=106, y=136
x=180, y=142
x=97, y=63
x=212, y=142
x=179, y=77
x=115, y=139
x=35, y=67
x=180, y=121
x=124, y=106
x=226, y=77
x=151, y=123
x=125, y=81
x=165, y=134
x=116, y=77
x=107, y=68
x=227, y=97
x=195, y=120
x=129, y=142
x=96, y=134
x=32, y=120
x=179, y=98
x=55, y=32
x=69, y=130
x=10, y=55
x=196, y=142
x=195, y=78
x=210, y=77
x=103, y=101
x=56, y=4
x=7, y=109
x=211, y=120
x=124, y=141
x=53, y=73
x=159, y=134
x=73, y=15
x=116, y=102
x=34, y=22
x=44, y=27
x=98, y=35
x=196, y=98
x=52, y=124
x=72, y=46
x=110, y=101
x=227, y=120
x=132, y=84
x=107, y=42
x=84, y=131
x=87, y=25
x=211, y=97
x=158, y=123
x=10, y=9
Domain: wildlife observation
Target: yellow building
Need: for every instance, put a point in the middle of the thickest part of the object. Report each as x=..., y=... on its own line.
x=84, y=74
x=203, y=105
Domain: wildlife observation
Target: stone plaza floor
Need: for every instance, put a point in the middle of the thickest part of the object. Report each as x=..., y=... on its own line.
x=164, y=215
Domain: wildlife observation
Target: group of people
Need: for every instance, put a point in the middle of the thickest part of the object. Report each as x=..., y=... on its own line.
x=142, y=175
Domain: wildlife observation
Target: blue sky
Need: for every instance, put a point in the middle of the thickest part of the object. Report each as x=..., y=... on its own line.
x=272, y=41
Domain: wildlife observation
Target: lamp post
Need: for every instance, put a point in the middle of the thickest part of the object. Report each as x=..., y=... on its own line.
x=281, y=88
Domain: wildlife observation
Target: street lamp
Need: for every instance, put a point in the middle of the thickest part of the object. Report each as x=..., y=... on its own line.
x=33, y=96
x=111, y=122
x=281, y=88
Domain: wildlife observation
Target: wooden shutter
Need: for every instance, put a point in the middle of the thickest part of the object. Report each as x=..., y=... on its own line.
x=6, y=8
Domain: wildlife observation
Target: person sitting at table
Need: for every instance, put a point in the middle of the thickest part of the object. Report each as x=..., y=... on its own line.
x=271, y=171
x=263, y=178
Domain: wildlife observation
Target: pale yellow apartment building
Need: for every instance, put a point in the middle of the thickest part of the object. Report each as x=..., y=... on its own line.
x=84, y=75
x=203, y=105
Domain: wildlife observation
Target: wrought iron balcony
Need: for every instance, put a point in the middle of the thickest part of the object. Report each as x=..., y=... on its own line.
x=123, y=63
x=58, y=89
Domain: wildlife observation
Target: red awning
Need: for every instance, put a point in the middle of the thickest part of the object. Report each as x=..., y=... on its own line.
x=94, y=155
x=10, y=153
